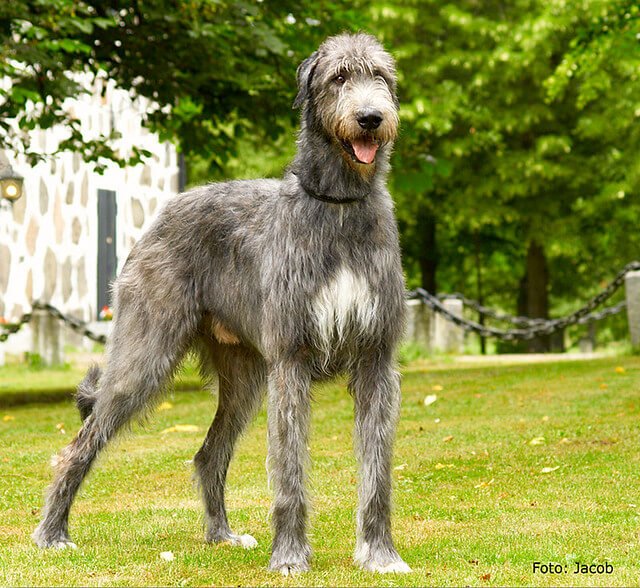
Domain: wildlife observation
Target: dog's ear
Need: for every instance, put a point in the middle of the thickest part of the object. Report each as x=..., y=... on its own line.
x=305, y=75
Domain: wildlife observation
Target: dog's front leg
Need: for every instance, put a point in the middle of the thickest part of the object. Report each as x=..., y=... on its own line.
x=289, y=411
x=375, y=386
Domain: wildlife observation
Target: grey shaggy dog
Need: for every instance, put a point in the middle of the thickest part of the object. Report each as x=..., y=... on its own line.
x=274, y=284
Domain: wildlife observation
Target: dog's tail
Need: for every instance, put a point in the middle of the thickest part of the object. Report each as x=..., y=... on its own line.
x=86, y=393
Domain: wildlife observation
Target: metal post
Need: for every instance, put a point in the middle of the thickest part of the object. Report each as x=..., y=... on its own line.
x=632, y=289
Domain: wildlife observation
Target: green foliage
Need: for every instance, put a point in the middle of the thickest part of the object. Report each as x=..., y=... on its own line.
x=34, y=361
x=410, y=351
x=251, y=159
x=519, y=123
x=43, y=46
x=215, y=70
x=519, y=120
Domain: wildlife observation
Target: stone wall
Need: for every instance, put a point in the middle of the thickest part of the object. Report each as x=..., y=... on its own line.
x=48, y=238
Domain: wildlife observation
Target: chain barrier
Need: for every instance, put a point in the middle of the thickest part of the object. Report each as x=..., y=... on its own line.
x=73, y=323
x=545, y=328
x=534, y=327
x=519, y=321
x=523, y=321
x=11, y=328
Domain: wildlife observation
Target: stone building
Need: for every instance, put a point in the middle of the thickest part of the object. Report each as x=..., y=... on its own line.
x=70, y=233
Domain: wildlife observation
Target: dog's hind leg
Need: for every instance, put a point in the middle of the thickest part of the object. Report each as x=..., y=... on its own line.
x=242, y=382
x=142, y=355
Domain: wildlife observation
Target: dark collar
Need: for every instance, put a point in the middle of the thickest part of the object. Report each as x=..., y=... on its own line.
x=323, y=197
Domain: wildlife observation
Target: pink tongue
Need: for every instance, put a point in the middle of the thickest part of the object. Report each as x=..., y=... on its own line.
x=365, y=150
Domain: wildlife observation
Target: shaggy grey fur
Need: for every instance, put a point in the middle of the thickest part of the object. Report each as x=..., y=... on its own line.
x=275, y=284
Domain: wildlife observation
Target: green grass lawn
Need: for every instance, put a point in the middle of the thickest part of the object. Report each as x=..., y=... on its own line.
x=510, y=465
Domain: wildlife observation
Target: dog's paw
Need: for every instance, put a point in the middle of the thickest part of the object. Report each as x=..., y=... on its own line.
x=225, y=536
x=289, y=569
x=382, y=561
x=244, y=541
x=289, y=564
x=396, y=567
x=64, y=545
x=55, y=540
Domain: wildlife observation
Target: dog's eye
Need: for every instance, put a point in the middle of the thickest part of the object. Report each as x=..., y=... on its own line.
x=340, y=79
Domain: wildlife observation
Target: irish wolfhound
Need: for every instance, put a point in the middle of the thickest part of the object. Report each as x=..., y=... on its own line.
x=275, y=284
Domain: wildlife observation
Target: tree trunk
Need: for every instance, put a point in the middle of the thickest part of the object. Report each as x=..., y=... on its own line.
x=537, y=293
x=428, y=256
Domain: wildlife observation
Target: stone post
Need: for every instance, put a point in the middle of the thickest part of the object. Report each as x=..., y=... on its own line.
x=632, y=289
x=46, y=338
x=447, y=336
x=419, y=319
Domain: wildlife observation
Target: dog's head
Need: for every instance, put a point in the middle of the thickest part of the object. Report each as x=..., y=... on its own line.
x=348, y=90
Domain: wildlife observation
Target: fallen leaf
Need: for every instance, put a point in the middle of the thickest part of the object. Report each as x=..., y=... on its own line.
x=437, y=388
x=60, y=427
x=485, y=577
x=545, y=418
x=448, y=438
x=8, y=417
x=167, y=556
x=441, y=466
x=401, y=466
x=182, y=429
x=436, y=421
x=430, y=399
x=165, y=406
x=537, y=441
x=485, y=484
x=564, y=440
x=603, y=386
x=620, y=370
x=549, y=470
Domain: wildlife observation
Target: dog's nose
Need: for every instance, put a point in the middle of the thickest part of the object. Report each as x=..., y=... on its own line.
x=369, y=119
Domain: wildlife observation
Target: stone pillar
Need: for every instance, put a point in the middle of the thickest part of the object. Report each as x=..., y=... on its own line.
x=46, y=338
x=447, y=336
x=419, y=319
x=632, y=289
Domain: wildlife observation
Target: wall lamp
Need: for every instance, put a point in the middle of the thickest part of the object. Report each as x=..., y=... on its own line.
x=10, y=180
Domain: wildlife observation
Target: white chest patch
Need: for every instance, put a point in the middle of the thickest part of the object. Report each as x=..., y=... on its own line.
x=344, y=303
